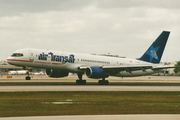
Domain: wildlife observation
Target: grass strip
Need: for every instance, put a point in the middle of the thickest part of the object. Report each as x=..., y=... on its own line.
x=88, y=103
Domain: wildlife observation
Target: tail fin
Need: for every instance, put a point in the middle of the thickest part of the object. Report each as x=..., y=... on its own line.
x=155, y=51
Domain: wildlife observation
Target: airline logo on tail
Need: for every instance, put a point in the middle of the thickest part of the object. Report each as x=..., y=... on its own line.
x=152, y=52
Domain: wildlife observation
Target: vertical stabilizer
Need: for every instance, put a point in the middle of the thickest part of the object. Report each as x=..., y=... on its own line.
x=155, y=51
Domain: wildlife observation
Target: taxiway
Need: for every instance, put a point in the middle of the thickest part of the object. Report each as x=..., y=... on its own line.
x=87, y=88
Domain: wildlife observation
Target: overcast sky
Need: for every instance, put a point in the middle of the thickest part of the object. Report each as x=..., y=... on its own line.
x=122, y=27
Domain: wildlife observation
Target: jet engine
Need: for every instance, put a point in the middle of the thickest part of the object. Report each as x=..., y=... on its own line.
x=95, y=72
x=56, y=73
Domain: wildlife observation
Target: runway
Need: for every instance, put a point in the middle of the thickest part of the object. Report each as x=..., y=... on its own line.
x=136, y=87
x=87, y=88
x=73, y=78
x=99, y=117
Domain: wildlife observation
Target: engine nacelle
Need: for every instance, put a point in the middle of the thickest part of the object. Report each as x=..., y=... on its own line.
x=56, y=73
x=95, y=72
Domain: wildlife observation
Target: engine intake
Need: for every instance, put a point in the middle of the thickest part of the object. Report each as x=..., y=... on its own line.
x=56, y=73
x=95, y=72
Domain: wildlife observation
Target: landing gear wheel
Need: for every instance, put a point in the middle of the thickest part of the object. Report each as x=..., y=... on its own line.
x=103, y=82
x=80, y=82
x=28, y=78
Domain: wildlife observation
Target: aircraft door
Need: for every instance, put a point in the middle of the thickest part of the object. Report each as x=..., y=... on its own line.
x=31, y=55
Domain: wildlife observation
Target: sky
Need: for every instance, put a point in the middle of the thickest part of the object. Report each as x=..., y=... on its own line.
x=119, y=27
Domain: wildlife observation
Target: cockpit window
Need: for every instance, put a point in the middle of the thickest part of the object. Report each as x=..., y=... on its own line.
x=17, y=55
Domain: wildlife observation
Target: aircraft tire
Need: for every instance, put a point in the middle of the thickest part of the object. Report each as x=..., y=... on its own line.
x=103, y=82
x=28, y=78
x=80, y=82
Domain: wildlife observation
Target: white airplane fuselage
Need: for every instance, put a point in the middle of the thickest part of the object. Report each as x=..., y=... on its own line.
x=74, y=62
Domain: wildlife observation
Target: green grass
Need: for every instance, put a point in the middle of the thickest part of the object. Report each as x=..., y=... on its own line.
x=88, y=103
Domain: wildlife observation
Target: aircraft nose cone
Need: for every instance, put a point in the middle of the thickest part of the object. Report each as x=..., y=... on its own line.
x=9, y=60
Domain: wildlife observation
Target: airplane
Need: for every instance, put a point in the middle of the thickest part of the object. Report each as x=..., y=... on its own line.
x=59, y=63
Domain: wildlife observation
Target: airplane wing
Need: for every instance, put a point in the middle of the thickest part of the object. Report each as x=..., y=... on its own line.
x=128, y=68
x=121, y=67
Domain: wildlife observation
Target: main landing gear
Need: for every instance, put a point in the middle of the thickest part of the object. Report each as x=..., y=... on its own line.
x=80, y=81
x=103, y=82
x=83, y=82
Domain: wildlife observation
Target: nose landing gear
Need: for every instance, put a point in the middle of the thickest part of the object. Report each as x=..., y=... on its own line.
x=27, y=71
x=28, y=77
